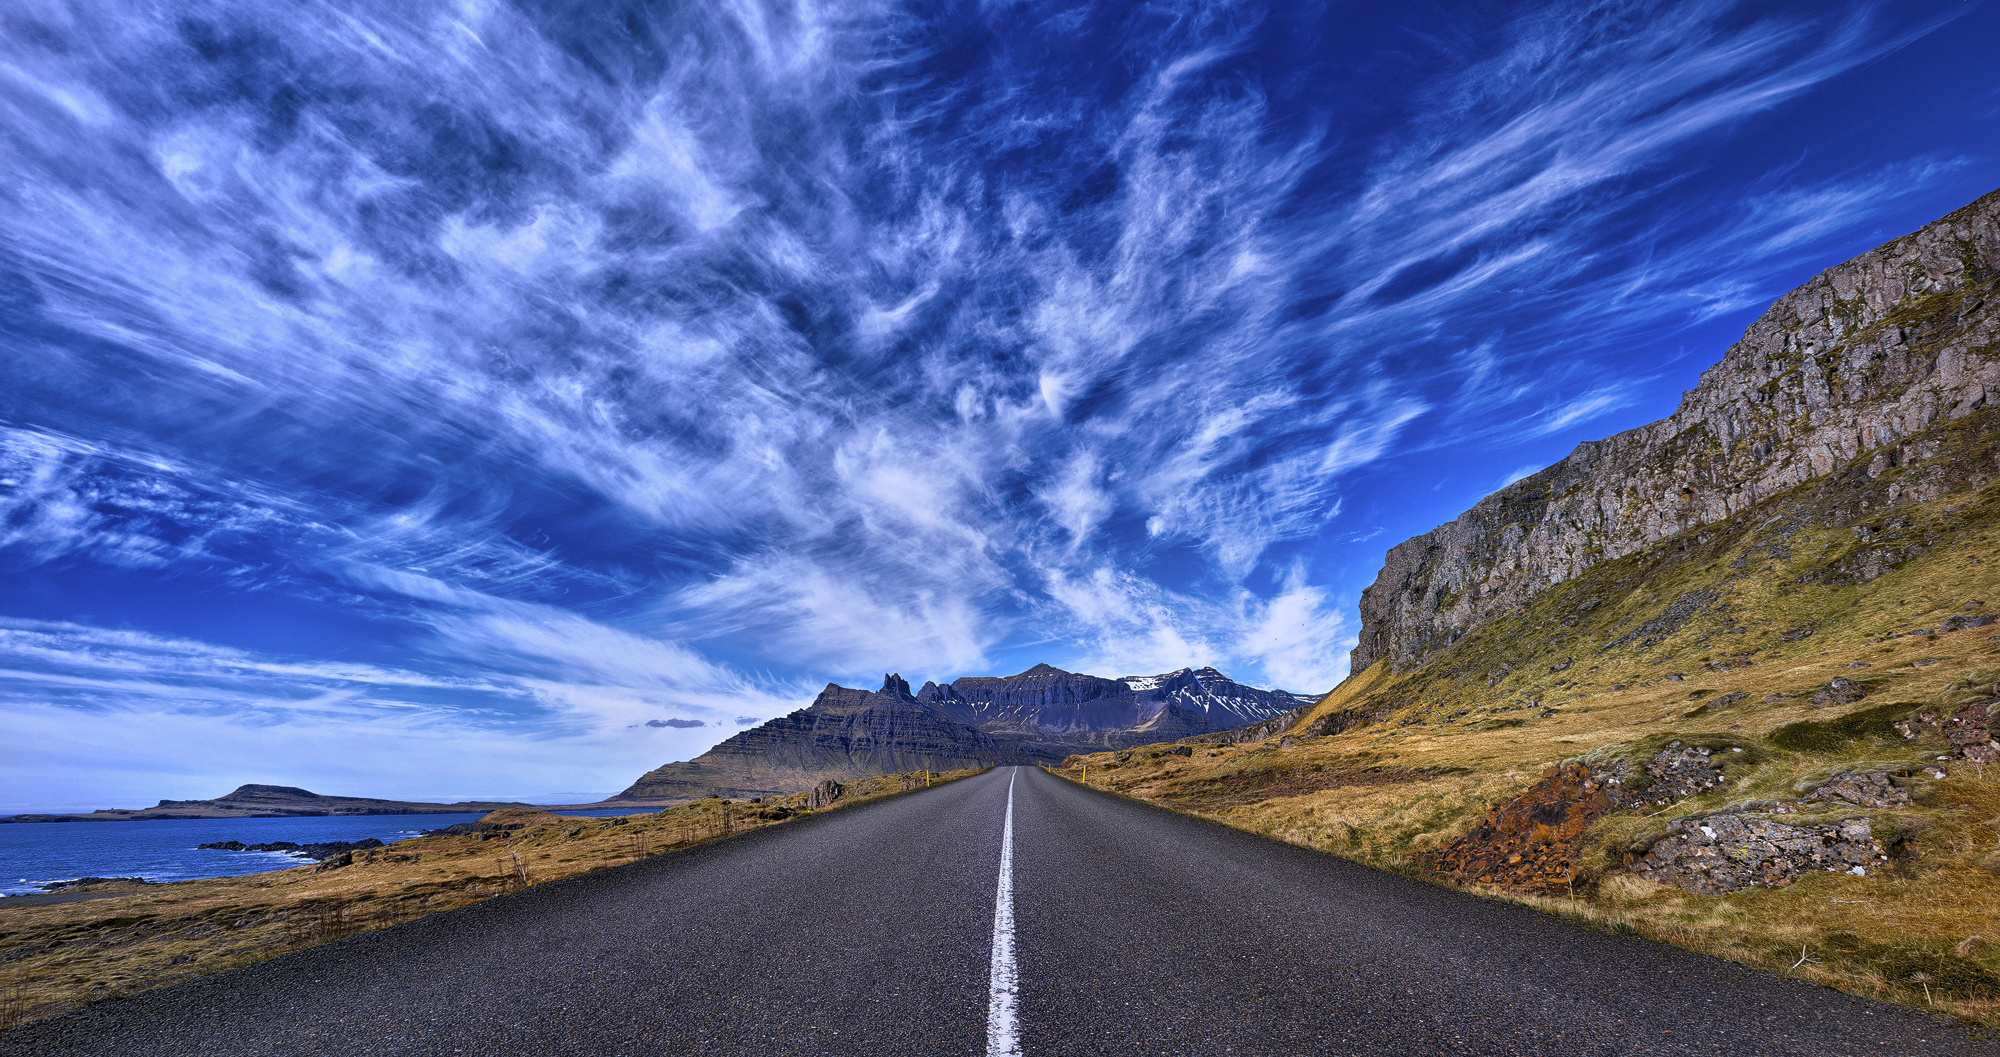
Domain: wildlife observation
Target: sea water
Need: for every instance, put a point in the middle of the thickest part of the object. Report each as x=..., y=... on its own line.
x=34, y=853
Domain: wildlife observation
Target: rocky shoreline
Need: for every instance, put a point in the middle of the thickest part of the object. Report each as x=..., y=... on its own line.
x=317, y=852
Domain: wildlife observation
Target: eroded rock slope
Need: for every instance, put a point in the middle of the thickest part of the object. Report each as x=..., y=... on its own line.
x=1861, y=357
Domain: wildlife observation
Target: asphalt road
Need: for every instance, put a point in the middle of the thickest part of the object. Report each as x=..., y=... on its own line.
x=872, y=930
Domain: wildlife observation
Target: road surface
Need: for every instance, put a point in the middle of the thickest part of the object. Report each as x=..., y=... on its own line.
x=1009, y=913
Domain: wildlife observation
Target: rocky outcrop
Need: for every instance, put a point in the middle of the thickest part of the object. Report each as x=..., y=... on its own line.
x=83, y=884
x=1860, y=789
x=1969, y=732
x=323, y=850
x=1838, y=691
x=1861, y=357
x=824, y=794
x=1727, y=852
x=1531, y=842
x=1678, y=771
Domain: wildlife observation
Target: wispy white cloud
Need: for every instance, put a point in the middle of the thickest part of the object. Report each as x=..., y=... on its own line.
x=284, y=718
x=608, y=373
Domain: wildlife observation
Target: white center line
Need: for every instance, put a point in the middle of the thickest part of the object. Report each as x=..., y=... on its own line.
x=1002, y=1037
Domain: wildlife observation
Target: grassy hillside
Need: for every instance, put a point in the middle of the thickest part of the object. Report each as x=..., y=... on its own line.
x=1727, y=639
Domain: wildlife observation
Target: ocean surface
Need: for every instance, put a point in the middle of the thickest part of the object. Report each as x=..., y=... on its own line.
x=35, y=853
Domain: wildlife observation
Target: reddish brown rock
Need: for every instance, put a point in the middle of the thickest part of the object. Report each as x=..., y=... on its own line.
x=1532, y=840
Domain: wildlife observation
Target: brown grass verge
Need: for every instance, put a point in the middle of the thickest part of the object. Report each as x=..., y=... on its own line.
x=1925, y=932
x=57, y=957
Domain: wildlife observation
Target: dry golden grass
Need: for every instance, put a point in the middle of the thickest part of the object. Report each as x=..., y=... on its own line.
x=1477, y=725
x=59, y=956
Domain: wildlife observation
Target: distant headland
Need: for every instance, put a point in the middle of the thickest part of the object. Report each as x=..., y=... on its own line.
x=269, y=801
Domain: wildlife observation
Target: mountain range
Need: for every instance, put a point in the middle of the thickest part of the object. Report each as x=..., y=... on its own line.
x=1040, y=716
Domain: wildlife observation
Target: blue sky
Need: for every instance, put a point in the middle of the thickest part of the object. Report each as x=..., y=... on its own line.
x=421, y=399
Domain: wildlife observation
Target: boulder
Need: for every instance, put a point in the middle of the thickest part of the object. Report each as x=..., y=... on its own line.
x=334, y=862
x=1861, y=789
x=824, y=794
x=1838, y=691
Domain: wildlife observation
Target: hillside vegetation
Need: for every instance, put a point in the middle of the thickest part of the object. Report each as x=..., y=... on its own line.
x=1620, y=746
x=1729, y=680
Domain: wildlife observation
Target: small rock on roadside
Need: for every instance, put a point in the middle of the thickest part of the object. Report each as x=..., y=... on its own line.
x=824, y=794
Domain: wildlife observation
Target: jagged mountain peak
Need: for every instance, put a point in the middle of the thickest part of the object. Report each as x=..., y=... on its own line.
x=1040, y=715
x=1204, y=678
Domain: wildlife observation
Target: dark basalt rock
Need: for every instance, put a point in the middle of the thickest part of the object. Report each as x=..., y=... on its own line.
x=322, y=850
x=1861, y=789
x=1679, y=771
x=88, y=882
x=824, y=794
x=1727, y=852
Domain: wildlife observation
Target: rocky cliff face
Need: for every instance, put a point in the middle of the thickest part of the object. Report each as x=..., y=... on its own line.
x=1039, y=716
x=1858, y=359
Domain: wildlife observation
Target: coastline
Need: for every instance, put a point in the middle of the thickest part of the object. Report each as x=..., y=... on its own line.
x=60, y=954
